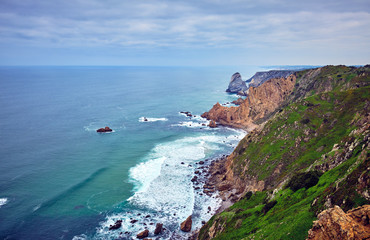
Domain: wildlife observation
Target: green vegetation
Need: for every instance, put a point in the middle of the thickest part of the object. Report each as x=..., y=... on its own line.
x=318, y=143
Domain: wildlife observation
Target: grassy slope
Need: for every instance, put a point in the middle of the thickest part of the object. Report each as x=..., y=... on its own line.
x=318, y=122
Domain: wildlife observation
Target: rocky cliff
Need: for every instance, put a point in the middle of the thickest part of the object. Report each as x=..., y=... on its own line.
x=261, y=77
x=313, y=153
x=334, y=223
x=237, y=85
x=259, y=104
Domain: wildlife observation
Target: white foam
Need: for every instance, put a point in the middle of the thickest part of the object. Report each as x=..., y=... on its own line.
x=191, y=124
x=3, y=201
x=163, y=187
x=142, y=119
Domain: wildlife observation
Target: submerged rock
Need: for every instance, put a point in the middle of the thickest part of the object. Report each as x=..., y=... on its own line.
x=106, y=129
x=237, y=85
x=186, y=225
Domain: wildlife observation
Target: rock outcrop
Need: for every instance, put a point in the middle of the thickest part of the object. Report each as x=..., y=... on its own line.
x=261, y=77
x=212, y=124
x=259, y=104
x=237, y=85
x=143, y=234
x=102, y=130
x=186, y=225
x=116, y=225
x=334, y=223
x=158, y=228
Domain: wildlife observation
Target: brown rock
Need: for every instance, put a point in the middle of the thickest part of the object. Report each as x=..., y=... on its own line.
x=158, y=228
x=333, y=223
x=212, y=124
x=143, y=234
x=186, y=225
x=106, y=129
x=238, y=101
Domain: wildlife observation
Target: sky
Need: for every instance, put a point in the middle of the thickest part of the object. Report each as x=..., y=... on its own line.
x=184, y=33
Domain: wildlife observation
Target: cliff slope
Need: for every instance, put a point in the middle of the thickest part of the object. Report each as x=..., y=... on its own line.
x=311, y=155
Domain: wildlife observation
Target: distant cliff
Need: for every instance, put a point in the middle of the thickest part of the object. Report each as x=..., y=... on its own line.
x=308, y=153
x=261, y=77
x=237, y=85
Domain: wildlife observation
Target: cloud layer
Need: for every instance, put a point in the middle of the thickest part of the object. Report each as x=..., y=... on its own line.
x=266, y=25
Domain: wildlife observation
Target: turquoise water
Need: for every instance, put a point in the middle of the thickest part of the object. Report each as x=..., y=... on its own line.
x=59, y=179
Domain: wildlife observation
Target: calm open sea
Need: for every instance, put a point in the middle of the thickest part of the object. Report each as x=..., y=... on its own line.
x=60, y=179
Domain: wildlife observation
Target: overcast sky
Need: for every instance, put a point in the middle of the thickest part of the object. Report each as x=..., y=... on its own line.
x=172, y=32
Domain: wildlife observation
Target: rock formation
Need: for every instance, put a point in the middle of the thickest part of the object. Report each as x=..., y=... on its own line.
x=212, y=124
x=143, y=234
x=116, y=225
x=237, y=85
x=186, y=225
x=106, y=129
x=259, y=104
x=335, y=224
x=261, y=77
x=158, y=228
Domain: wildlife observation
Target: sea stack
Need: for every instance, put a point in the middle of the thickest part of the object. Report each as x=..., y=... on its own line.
x=237, y=85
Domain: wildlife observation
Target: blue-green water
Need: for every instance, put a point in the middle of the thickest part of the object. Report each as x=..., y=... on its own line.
x=59, y=179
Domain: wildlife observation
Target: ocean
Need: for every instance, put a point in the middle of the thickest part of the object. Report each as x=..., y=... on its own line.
x=60, y=179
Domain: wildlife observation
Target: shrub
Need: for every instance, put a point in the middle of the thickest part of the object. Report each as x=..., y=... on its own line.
x=304, y=180
x=268, y=206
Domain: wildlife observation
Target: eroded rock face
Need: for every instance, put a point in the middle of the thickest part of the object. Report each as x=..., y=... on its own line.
x=334, y=223
x=259, y=104
x=186, y=225
x=237, y=85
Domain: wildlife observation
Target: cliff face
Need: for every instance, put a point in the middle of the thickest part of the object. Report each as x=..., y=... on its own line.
x=259, y=104
x=322, y=129
x=334, y=223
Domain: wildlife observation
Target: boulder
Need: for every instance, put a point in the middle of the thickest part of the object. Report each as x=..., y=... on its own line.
x=236, y=84
x=186, y=225
x=238, y=101
x=212, y=124
x=117, y=225
x=143, y=234
x=158, y=228
x=106, y=129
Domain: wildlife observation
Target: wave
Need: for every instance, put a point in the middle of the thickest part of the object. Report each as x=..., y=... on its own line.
x=69, y=191
x=147, y=119
x=3, y=201
x=164, y=190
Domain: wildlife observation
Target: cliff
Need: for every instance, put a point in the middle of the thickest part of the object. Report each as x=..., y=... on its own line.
x=259, y=104
x=311, y=154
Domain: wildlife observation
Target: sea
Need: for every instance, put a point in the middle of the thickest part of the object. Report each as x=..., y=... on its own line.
x=60, y=179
